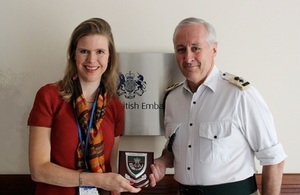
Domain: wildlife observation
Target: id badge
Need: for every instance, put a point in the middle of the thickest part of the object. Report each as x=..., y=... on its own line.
x=86, y=190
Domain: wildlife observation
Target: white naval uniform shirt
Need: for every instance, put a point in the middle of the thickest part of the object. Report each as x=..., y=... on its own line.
x=219, y=130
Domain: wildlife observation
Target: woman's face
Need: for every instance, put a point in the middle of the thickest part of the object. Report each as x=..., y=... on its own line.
x=92, y=57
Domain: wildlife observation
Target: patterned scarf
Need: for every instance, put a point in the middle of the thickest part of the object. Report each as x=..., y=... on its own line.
x=95, y=152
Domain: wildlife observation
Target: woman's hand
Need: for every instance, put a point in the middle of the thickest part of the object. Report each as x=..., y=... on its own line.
x=111, y=182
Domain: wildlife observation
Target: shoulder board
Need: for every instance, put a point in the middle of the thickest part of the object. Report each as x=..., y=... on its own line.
x=236, y=80
x=174, y=86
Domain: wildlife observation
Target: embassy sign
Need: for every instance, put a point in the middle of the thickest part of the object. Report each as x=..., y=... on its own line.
x=143, y=78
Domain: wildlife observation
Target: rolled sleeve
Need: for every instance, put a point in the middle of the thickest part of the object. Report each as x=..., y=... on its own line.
x=272, y=155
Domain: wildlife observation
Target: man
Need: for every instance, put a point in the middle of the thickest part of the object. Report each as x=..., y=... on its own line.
x=216, y=124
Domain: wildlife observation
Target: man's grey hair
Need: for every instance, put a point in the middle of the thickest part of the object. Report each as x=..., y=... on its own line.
x=211, y=33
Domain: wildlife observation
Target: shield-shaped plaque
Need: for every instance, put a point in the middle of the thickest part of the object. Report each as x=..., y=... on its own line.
x=135, y=166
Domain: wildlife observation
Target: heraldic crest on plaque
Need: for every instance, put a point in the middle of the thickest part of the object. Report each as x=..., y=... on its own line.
x=135, y=167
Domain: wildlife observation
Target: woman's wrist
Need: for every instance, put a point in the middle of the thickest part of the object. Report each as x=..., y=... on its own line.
x=89, y=179
x=80, y=179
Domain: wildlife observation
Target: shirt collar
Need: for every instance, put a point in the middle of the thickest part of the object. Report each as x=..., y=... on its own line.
x=210, y=82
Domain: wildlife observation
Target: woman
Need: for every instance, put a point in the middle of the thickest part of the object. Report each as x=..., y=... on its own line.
x=75, y=124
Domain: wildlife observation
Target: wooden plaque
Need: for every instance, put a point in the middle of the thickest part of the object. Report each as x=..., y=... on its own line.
x=135, y=166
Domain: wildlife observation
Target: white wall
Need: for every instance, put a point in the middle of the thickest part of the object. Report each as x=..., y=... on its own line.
x=258, y=40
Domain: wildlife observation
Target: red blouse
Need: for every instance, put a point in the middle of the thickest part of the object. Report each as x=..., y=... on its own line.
x=49, y=110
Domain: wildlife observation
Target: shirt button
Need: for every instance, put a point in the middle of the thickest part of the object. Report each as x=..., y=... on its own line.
x=215, y=137
x=194, y=102
x=188, y=168
x=190, y=146
x=191, y=124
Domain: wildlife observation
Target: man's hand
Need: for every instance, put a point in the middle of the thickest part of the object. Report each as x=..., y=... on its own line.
x=159, y=167
x=158, y=172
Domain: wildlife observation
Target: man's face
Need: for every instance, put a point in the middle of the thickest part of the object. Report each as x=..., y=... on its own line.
x=194, y=55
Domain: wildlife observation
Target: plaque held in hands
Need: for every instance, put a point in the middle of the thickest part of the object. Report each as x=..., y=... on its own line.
x=135, y=166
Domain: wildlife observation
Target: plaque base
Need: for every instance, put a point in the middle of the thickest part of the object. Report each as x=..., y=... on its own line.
x=135, y=166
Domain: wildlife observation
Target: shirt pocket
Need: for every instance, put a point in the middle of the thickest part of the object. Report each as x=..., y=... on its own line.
x=215, y=142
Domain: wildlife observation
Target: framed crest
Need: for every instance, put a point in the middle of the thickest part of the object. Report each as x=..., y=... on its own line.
x=135, y=166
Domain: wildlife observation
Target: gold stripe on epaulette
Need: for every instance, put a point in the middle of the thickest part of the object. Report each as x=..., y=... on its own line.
x=174, y=86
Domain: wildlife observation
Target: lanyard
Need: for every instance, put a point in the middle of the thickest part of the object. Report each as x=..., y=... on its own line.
x=85, y=148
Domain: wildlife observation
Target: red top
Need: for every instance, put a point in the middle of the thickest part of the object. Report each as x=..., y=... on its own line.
x=49, y=110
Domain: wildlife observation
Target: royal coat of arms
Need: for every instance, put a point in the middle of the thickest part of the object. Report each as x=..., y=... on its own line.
x=129, y=86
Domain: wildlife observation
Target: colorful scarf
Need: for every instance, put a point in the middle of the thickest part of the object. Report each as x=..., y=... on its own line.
x=95, y=155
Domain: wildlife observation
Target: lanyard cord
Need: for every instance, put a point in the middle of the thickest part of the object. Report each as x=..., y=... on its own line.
x=85, y=149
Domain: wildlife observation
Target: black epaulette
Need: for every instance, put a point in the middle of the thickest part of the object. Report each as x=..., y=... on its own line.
x=174, y=86
x=236, y=80
x=170, y=142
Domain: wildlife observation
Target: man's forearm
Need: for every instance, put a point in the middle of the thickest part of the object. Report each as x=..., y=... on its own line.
x=168, y=158
x=272, y=178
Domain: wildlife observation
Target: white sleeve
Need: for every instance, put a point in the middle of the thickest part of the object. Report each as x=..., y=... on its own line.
x=258, y=127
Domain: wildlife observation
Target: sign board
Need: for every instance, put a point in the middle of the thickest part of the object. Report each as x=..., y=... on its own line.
x=144, y=77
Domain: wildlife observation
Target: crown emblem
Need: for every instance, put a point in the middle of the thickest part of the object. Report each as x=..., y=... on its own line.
x=130, y=75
